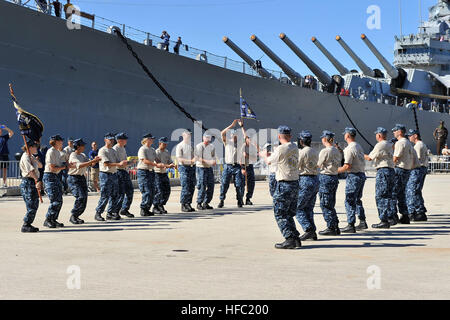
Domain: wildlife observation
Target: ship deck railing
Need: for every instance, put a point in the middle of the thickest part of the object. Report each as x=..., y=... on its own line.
x=103, y=24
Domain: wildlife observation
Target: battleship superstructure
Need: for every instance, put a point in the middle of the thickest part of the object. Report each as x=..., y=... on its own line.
x=85, y=82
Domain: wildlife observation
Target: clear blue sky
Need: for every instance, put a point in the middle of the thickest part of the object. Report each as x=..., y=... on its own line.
x=203, y=23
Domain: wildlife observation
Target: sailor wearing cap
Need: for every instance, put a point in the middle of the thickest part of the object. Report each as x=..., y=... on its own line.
x=354, y=164
x=268, y=149
x=286, y=192
x=77, y=179
x=109, y=182
x=162, y=182
x=186, y=167
x=381, y=155
x=231, y=168
x=146, y=173
x=205, y=154
x=29, y=169
x=415, y=202
x=329, y=160
x=126, y=189
x=54, y=164
x=403, y=160
x=65, y=153
x=308, y=185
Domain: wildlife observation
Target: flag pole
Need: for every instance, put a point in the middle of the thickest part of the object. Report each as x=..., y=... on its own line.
x=243, y=129
x=26, y=144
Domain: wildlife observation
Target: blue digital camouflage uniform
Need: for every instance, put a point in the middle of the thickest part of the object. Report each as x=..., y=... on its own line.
x=31, y=198
x=230, y=170
x=250, y=181
x=328, y=185
x=384, y=186
x=146, y=182
x=307, y=194
x=54, y=189
x=162, y=189
x=187, y=179
x=126, y=190
x=414, y=199
x=205, y=185
x=399, y=192
x=353, y=194
x=272, y=184
x=109, y=192
x=285, y=207
x=79, y=189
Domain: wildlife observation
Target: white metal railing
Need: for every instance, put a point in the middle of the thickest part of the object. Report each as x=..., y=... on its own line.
x=439, y=164
x=13, y=177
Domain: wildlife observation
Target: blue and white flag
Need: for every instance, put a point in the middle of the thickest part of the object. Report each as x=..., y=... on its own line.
x=246, y=112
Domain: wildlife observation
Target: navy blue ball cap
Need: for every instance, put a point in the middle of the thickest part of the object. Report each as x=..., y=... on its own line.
x=110, y=136
x=57, y=137
x=381, y=130
x=121, y=136
x=78, y=142
x=327, y=134
x=399, y=127
x=70, y=139
x=148, y=135
x=284, y=130
x=349, y=130
x=163, y=140
x=412, y=132
x=305, y=135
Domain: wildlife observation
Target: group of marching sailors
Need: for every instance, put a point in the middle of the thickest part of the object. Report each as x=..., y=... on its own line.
x=298, y=173
x=298, y=176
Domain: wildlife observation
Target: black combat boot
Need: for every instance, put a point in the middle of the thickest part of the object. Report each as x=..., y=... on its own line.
x=49, y=223
x=382, y=225
x=190, y=208
x=99, y=217
x=126, y=213
x=115, y=216
x=199, y=206
x=240, y=203
x=362, y=225
x=289, y=243
x=58, y=224
x=29, y=228
x=109, y=216
x=162, y=209
x=350, y=228
x=331, y=231
x=420, y=217
x=393, y=220
x=73, y=220
x=156, y=209
x=145, y=212
x=309, y=235
x=206, y=206
x=248, y=202
x=185, y=208
x=404, y=219
x=81, y=221
x=221, y=204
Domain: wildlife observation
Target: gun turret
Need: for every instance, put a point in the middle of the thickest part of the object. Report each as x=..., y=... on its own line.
x=261, y=71
x=323, y=77
x=364, y=68
x=291, y=73
x=339, y=67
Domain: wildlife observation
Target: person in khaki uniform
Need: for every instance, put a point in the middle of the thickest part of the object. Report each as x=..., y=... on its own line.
x=381, y=155
x=205, y=154
x=77, y=179
x=162, y=181
x=186, y=167
x=29, y=168
x=286, y=191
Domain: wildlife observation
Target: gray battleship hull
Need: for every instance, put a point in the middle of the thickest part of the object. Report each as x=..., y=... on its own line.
x=84, y=83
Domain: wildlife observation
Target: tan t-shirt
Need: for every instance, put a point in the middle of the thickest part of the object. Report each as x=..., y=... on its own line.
x=78, y=159
x=54, y=157
x=382, y=155
x=121, y=154
x=147, y=154
x=107, y=155
x=205, y=152
x=285, y=157
x=252, y=154
x=184, y=151
x=354, y=155
x=422, y=153
x=162, y=157
x=231, y=153
x=307, y=161
x=405, y=152
x=329, y=161
x=27, y=165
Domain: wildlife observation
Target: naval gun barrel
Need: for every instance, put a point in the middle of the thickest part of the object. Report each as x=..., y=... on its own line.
x=339, y=67
x=393, y=72
x=364, y=68
x=261, y=71
x=291, y=73
x=323, y=77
